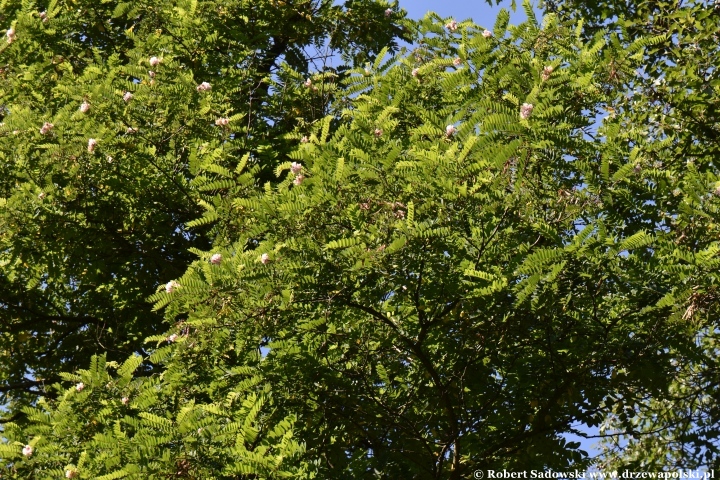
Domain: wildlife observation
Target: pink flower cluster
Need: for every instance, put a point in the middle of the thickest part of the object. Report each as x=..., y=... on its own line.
x=457, y=61
x=388, y=12
x=84, y=107
x=216, y=259
x=172, y=338
x=378, y=133
x=204, y=87
x=452, y=25
x=526, y=110
x=43, y=16
x=415, y=72
x=264, y=258
x=221, y=122
x=304, y=139
x=45, y=129
x=450, y=130
x=127, y=96
x=71, y=473
x=27, y=450
x=487, y=33
x=154, y=61
x=171, y=286
x=10, y=35
x=92, y=143
x=79, y=387
x=546, y=73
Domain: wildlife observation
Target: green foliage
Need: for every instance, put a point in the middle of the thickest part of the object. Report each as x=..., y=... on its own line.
x=454, y=257
x=88, y=233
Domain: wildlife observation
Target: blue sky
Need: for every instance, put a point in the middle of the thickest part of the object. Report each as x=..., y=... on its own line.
x=481, y=13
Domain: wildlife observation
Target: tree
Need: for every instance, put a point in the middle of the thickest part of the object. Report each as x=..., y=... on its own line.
x=451, y=269
x=113, y=112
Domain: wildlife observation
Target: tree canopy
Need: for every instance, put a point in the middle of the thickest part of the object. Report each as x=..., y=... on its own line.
x=224, y=256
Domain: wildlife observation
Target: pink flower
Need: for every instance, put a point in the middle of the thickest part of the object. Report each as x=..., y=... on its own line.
x=295, y=167
x=10, y=35
x=204, y=87
x=84, y=107
x=264, y=258
x=457, y=61
x=400, y=214
x=92, y=143
x=526, y=110
x=125, y=400
x=415, y=72
x=79, y=387
x=41, y=195
x=71, y=473
x=172, y=338
x=304, y=139
x=127, y=97
x=450, y=130
x=171, y=286
x=378, y=133
x=452, y=25
x=131, y=130
x=308, y=83
x=27, y=450
x=216, y=259
x=487, y=33
x=298, y=180
x=546, y=73
x=388, y=12
x=45, y=129
x=221, y=122
x=154, y=61
x=43, y=16
x=151, y=74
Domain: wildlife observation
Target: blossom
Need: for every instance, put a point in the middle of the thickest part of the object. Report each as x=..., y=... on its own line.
x=221, y=122
x=125, y=400
x=487, y=33
x=452, y=25
x=43, y=16
x=526, y=110
x=415, y=72
x=45, y=129
x=304, y=139
x=79, y=387
x=546, y=73
x=154, y=61
x=151, y=74
x=127, y=97
x=216, y=259
x=295, y=167
x=388, y=12
x=378, y=133
x=131, y=130
x=27, y=450
x=84, y=107
x=204, y=87
x=457, y=61
x=308, y=83
x=71, y=473
x=450, y=130
x=92, y=143
x=41, y=195
x=172, y=338
x=171, y=286
x=10, y=35
x=399, y=214
x=298, y=180
x=264, y=258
